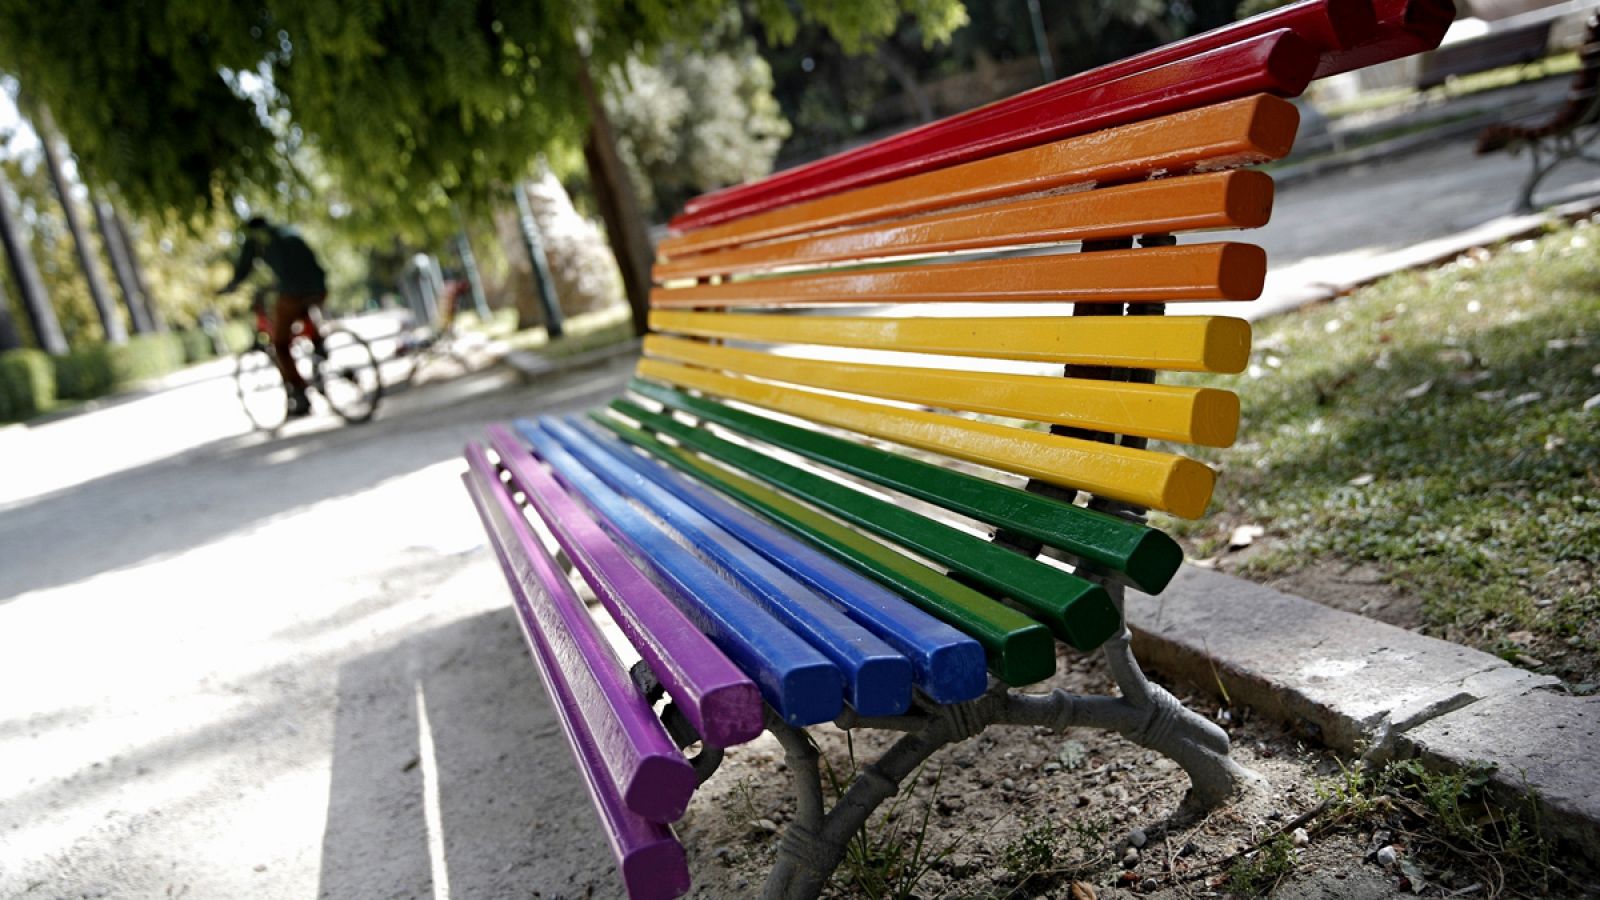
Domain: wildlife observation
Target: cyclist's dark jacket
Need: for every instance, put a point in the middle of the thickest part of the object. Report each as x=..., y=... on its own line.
x=291, y=262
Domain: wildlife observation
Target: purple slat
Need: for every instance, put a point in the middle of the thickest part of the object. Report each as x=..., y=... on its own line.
x=651, y=861
x=721, y=702
x=642, y=762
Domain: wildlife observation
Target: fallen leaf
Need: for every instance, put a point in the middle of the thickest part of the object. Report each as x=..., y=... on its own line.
x=1413, y=874
x=1418, y=391
x=1489, y=395
x=1244, y=536
x=1591, y=403
x=1524, y=399
x=1456, y=357
x=1362, y=480
x=1073, y=755
x=1083, y=890
x=1520, y=637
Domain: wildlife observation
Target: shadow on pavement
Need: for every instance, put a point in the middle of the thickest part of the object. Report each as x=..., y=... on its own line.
x=448, y=756
x=217, y=489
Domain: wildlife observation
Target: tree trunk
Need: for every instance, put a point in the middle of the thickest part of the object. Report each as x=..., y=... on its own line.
x=543, y=284
x=9, y=338
x=35, y=302
x=137, y=312
x=619, y=206
x=103, y=304
x=469, y=264
x=130, y=252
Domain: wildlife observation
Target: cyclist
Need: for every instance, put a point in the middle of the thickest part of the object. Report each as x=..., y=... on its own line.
x=301, y=285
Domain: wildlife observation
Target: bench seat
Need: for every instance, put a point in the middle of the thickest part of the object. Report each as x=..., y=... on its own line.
x=896, y=428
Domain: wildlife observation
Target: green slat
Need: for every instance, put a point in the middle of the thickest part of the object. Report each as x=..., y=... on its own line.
x=1146, y=556
x=1079, y=611
x=1020, y=650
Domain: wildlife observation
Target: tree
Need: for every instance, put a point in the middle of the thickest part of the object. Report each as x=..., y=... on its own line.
x=110, y=321
x=693, y=121
x=409, y=107
x=19, y=253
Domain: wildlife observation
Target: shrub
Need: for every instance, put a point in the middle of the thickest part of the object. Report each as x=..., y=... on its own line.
x=27, y=383
x=197, y=346
x=84, y=373
x=238, y=335
x=98, y=369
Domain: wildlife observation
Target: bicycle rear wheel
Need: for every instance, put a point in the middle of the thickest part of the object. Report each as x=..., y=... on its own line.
x=348, y=379
x=261, y=389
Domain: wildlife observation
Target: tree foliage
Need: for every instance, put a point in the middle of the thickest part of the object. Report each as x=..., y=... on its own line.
x=694, y=121
x=408, y=107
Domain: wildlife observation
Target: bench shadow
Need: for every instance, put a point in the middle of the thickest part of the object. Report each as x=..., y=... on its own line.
x=449, y=763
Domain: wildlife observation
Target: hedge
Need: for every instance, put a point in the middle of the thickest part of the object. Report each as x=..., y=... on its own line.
x=27, y=384
x=98, y=369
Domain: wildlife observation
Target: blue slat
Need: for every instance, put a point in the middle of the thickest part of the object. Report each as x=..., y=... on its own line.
x=795, y=678
x=947, y=665
x=877, y=678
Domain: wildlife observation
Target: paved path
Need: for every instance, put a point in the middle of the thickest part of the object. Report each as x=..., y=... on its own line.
x=246, y=667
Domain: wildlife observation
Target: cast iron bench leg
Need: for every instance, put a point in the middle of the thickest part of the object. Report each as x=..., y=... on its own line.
x=815, y=842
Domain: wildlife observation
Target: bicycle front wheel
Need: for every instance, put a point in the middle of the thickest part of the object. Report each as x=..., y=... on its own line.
x=261, y=389
x=348, y=378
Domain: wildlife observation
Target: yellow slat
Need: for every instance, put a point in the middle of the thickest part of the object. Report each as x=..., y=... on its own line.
x=1178, y=343
x=1164, y=412
x=1162, y=481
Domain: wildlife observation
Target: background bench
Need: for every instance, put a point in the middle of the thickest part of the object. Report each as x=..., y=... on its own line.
x=783, y=514
x=1564, y=135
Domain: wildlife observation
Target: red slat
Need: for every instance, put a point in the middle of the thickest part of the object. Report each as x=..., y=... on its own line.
x=1405, y=27
x=1277, y=63
x=1328, y=25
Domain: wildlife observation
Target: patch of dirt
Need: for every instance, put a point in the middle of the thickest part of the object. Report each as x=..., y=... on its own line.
x=1082, y=793
x=1353, y=587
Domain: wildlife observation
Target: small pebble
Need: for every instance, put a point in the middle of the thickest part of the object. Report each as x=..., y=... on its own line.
x=1300, y=837
x=1008, y=785
x=1189, y=849
x=1137, y=837
x=1148, y=885
x=1387, y=856
x=1130, y=857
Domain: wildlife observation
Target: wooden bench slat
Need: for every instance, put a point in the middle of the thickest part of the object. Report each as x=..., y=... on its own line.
x=719, y=700
x=1216, y=200
x=640, y=761
x=948, y=665
x=1405, y=28
x=1276, y=62
x=1146, y=478
x=1213, y=271
x=796, y=680
x=651, y=861
x=877, y=678
x=1146, y=556
x=1242, y=132
x=1020, y=650
x=1187, y=415
x=1176, y=343
x=1077, y=610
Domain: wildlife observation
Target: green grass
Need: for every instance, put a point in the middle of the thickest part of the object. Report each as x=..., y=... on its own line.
x=1432, y=426
x=581, y=333
x=1466, y=85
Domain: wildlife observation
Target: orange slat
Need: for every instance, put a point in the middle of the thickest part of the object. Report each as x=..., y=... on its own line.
x=1218, y=200
x=1242, y=132
x=1223, y=271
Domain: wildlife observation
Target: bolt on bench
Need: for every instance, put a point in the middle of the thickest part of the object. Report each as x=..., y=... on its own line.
x=839, y=395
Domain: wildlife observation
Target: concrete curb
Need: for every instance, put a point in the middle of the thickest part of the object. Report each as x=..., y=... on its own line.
x=531, y=366
x=1361, y=686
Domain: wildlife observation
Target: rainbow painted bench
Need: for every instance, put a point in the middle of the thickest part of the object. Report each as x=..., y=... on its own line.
x=889, y=444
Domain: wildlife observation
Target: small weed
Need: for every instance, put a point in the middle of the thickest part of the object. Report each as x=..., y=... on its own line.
x=1260, y=872
x=1048, y=851
x=1448, y=818
x=889, y=856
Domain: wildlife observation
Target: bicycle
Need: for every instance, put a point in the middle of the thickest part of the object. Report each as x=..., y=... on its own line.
x=345, y=372
x=433, y=344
